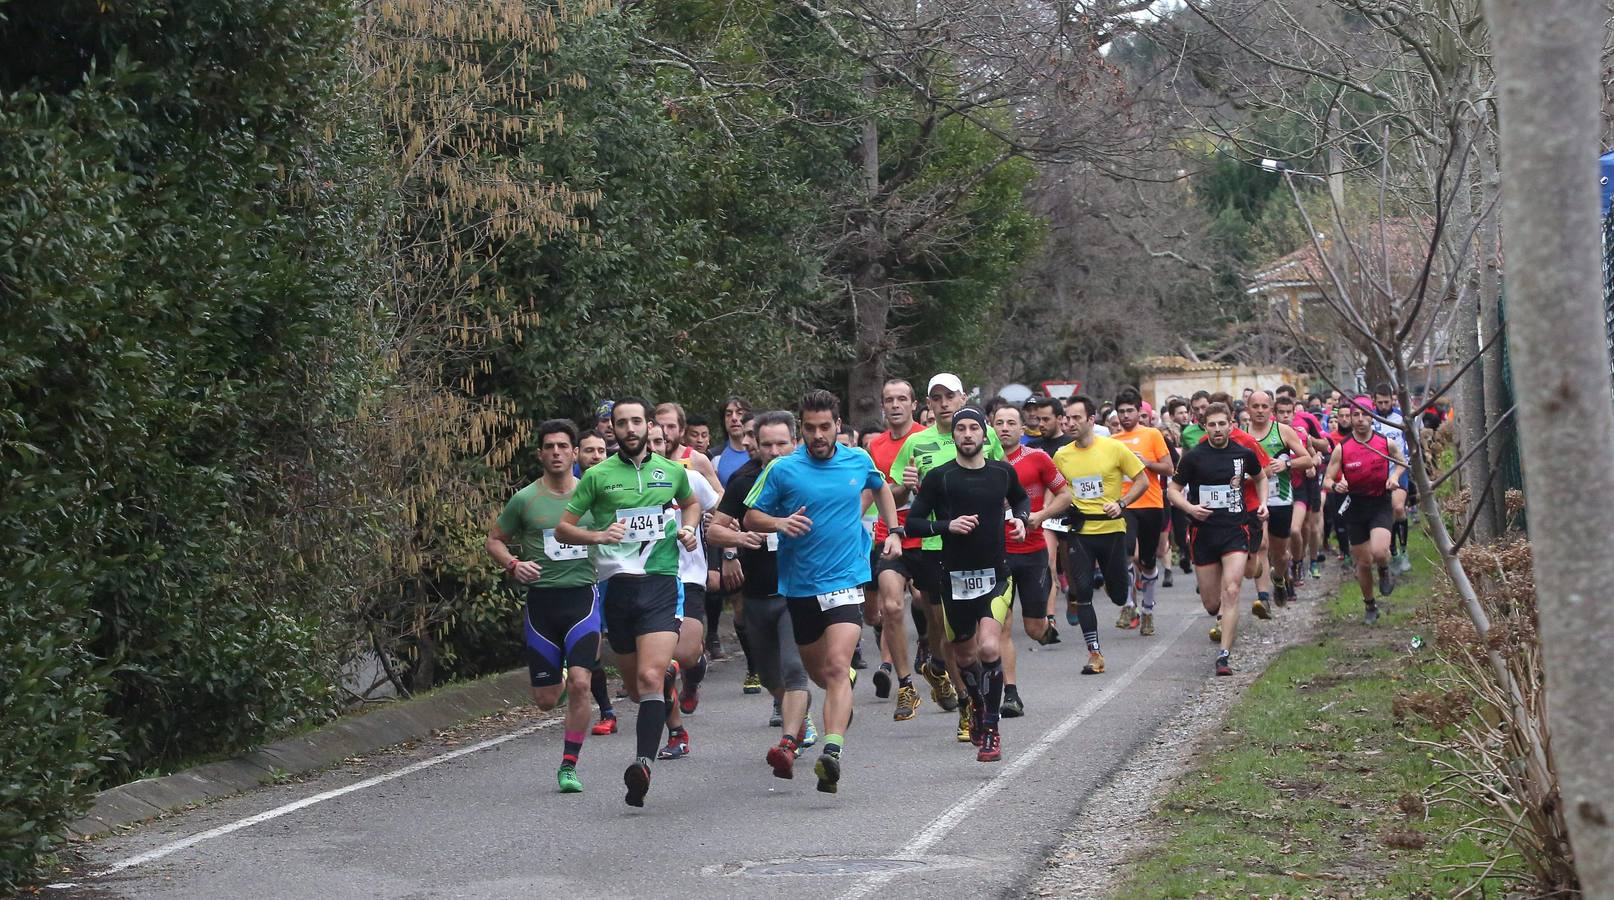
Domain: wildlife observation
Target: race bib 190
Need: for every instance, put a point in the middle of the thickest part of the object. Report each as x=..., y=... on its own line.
x=972, y=583
x=558, y=552
x=644, y=523
x=1089, y=488
x=843, y=597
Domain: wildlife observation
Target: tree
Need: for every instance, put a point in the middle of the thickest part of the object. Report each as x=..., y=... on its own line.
x=1547, y=58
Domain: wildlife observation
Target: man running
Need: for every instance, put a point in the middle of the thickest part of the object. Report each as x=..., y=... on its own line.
x=734, y=453
x=1146, y=518
x=1392, y=426
x=562, y=617
x=894, y=576
x=1095, y=468
x=1306, y=527
x=1366, y=469
x=590, y=453
x=813, y=500
x=1210, y=487
x=1194, y=430
x=1290, y=464
x=922, y=453
x=636, y=557
x=767, y=618
x=1027, y=558
x=670, y=416
x=962, y=502
x=698, y=434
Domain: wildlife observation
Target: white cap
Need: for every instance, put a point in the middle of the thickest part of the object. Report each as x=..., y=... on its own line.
x=948, y=381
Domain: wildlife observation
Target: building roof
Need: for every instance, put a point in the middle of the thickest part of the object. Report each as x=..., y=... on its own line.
x=1401, y=243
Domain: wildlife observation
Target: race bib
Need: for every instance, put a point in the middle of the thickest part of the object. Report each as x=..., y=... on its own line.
x=1089, y=488
x=1217, y=496
x=773, y=542
x=973, y=583
x=559, y=552
x=1274, y=497
x=1056, y=525
x=644, y=523
x=843, y=597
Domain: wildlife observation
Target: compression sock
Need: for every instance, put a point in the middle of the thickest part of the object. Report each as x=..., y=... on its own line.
x=696, y=674
x=905, y=680
x=602, y=692
x=652, y=719
x=975, y=682
x=878, y=635
x=745, y=648
x=1150, y=582
x=1398, y=537
x=574, y=746
x=1089, y=624
x=833, y=744
x=992, y=692
x=920, y=623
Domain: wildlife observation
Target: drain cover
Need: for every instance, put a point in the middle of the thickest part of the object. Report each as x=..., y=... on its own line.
x=830, y=866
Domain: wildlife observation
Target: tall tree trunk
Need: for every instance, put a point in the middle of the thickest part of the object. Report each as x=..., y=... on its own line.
x=1488, y=247
x=871, y=296
x=1546, y=55
x=1465, y=344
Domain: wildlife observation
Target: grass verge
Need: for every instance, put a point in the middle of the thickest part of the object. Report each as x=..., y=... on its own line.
x=1309, y=789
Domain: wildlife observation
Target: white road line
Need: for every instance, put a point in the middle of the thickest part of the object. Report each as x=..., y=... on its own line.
x=942, y=825
x=172, y=848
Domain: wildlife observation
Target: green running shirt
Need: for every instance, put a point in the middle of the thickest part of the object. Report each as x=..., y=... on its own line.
x=529, y=519
x=645, y=497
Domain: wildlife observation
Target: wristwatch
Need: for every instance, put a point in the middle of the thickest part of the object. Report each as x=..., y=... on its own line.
x=730, y=554
x=898, y=530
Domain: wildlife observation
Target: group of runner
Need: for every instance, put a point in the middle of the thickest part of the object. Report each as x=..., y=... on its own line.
x=640, y=533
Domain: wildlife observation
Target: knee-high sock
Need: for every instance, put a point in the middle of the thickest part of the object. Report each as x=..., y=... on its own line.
x=972, y=680
x=1089, y=622
x=745, y=647
x=992, y=689
x=1150, y=582
x=652, y=719
x=601, y=690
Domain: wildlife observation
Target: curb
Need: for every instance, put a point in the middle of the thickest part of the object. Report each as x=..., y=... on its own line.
x=395, y=723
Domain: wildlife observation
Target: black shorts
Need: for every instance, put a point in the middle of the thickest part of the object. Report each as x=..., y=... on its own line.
x=927, y=572
x=694, y=602
x=809, y=620
x=1207, y=543
x=904, y=564
x=1362, y=514
x=1032, y=581
x=562, y=625
x=636, y=605
x=1143, y=530
x=962, y=618
x=1280, y=521
x=1310, y=492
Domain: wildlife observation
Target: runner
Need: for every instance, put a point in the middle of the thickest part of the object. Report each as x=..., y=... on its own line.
x=1391, y=424
x=919, y=455
x=1290, y=463
x=1305, y=545
x=1048, y=415
x=1145, y=518
x=893, y=577
x=636, y=557
x=813, y=499
x=1366, y=469
x=698, y=434
x=1027, y=558
x=1095, y=466
x=962, y=502
x=1216, y=474
x=590, y=453
x=766, y=615
x=1181, y=416
x=734, y=453
x=1193, y=431
x=670, y=416
x=563, y=615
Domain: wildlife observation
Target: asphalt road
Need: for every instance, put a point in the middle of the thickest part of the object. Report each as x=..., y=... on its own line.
x=916, y=816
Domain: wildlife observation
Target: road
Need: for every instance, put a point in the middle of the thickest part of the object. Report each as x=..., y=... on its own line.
x=916, y=816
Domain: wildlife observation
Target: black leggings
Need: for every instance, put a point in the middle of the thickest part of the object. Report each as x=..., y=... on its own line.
x=1081, y=552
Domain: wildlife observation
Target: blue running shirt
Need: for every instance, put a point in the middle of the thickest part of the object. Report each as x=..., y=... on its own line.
x=834, y=554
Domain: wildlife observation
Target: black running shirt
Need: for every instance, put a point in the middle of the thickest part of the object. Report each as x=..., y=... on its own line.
x=1213, y=478
x=950, y=491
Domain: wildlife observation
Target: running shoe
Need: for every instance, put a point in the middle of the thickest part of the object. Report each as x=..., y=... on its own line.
x=1279, y=597
x=1405, y=565
x=808, y=735
x=1098, y=578
x=991, y=747
x=1317, y=568
x=1165, y=576
x=1013, y=707
x=907, y=703
x=1147, y=627
x=606, y=725
x=1216, y=631
x=782, y=759
x=1259, y=610
x=689, y=697
x=714, y=647
x=778, y=718
x=977, y=724
x=1371, y=615
x=677, y=746
x=1095, y=663
x=1137, y=577
x=1128, y=618
x=828, y=770
x=568, y=780
x=857, y=659
x=941, y=688
x=1185, y=564
x=1071, y=618
x=637, y=778
x=1050, y=635
x=1386, y=581
x=965, y=735
x=1224, y=665
x=882, y=681
x=752, y=683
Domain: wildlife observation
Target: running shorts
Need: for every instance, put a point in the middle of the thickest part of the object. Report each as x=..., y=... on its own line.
x=1363, y=513
x=1280, y=521
x=562, y=626
x=1143, y=529
x=963, y=617
x=927, y=573
x=1310, y=492
x=904, y=564
x=1209, y=543
x=694, y=602
x=638, y=605
x=809, y=620
x=1032, y=581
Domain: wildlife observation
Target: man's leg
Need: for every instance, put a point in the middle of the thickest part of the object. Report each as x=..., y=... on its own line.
x=1079, y=604
x=1232, y=579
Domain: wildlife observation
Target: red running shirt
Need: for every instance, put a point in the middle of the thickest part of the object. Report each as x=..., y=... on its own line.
x=884, y=448
x=1039, y=477
x=1365, y=465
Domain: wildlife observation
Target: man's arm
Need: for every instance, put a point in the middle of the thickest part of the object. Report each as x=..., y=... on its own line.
x=567, y=531
x=701, y=464
x=1299, y=458
x=1057, y=505
x=1162, y=465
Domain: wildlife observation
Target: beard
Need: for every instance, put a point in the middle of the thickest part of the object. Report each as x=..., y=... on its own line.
x=821, y=450
x=970, y=452
x=631, y=444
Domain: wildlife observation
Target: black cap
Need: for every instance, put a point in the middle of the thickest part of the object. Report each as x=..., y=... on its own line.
x=969, y=412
